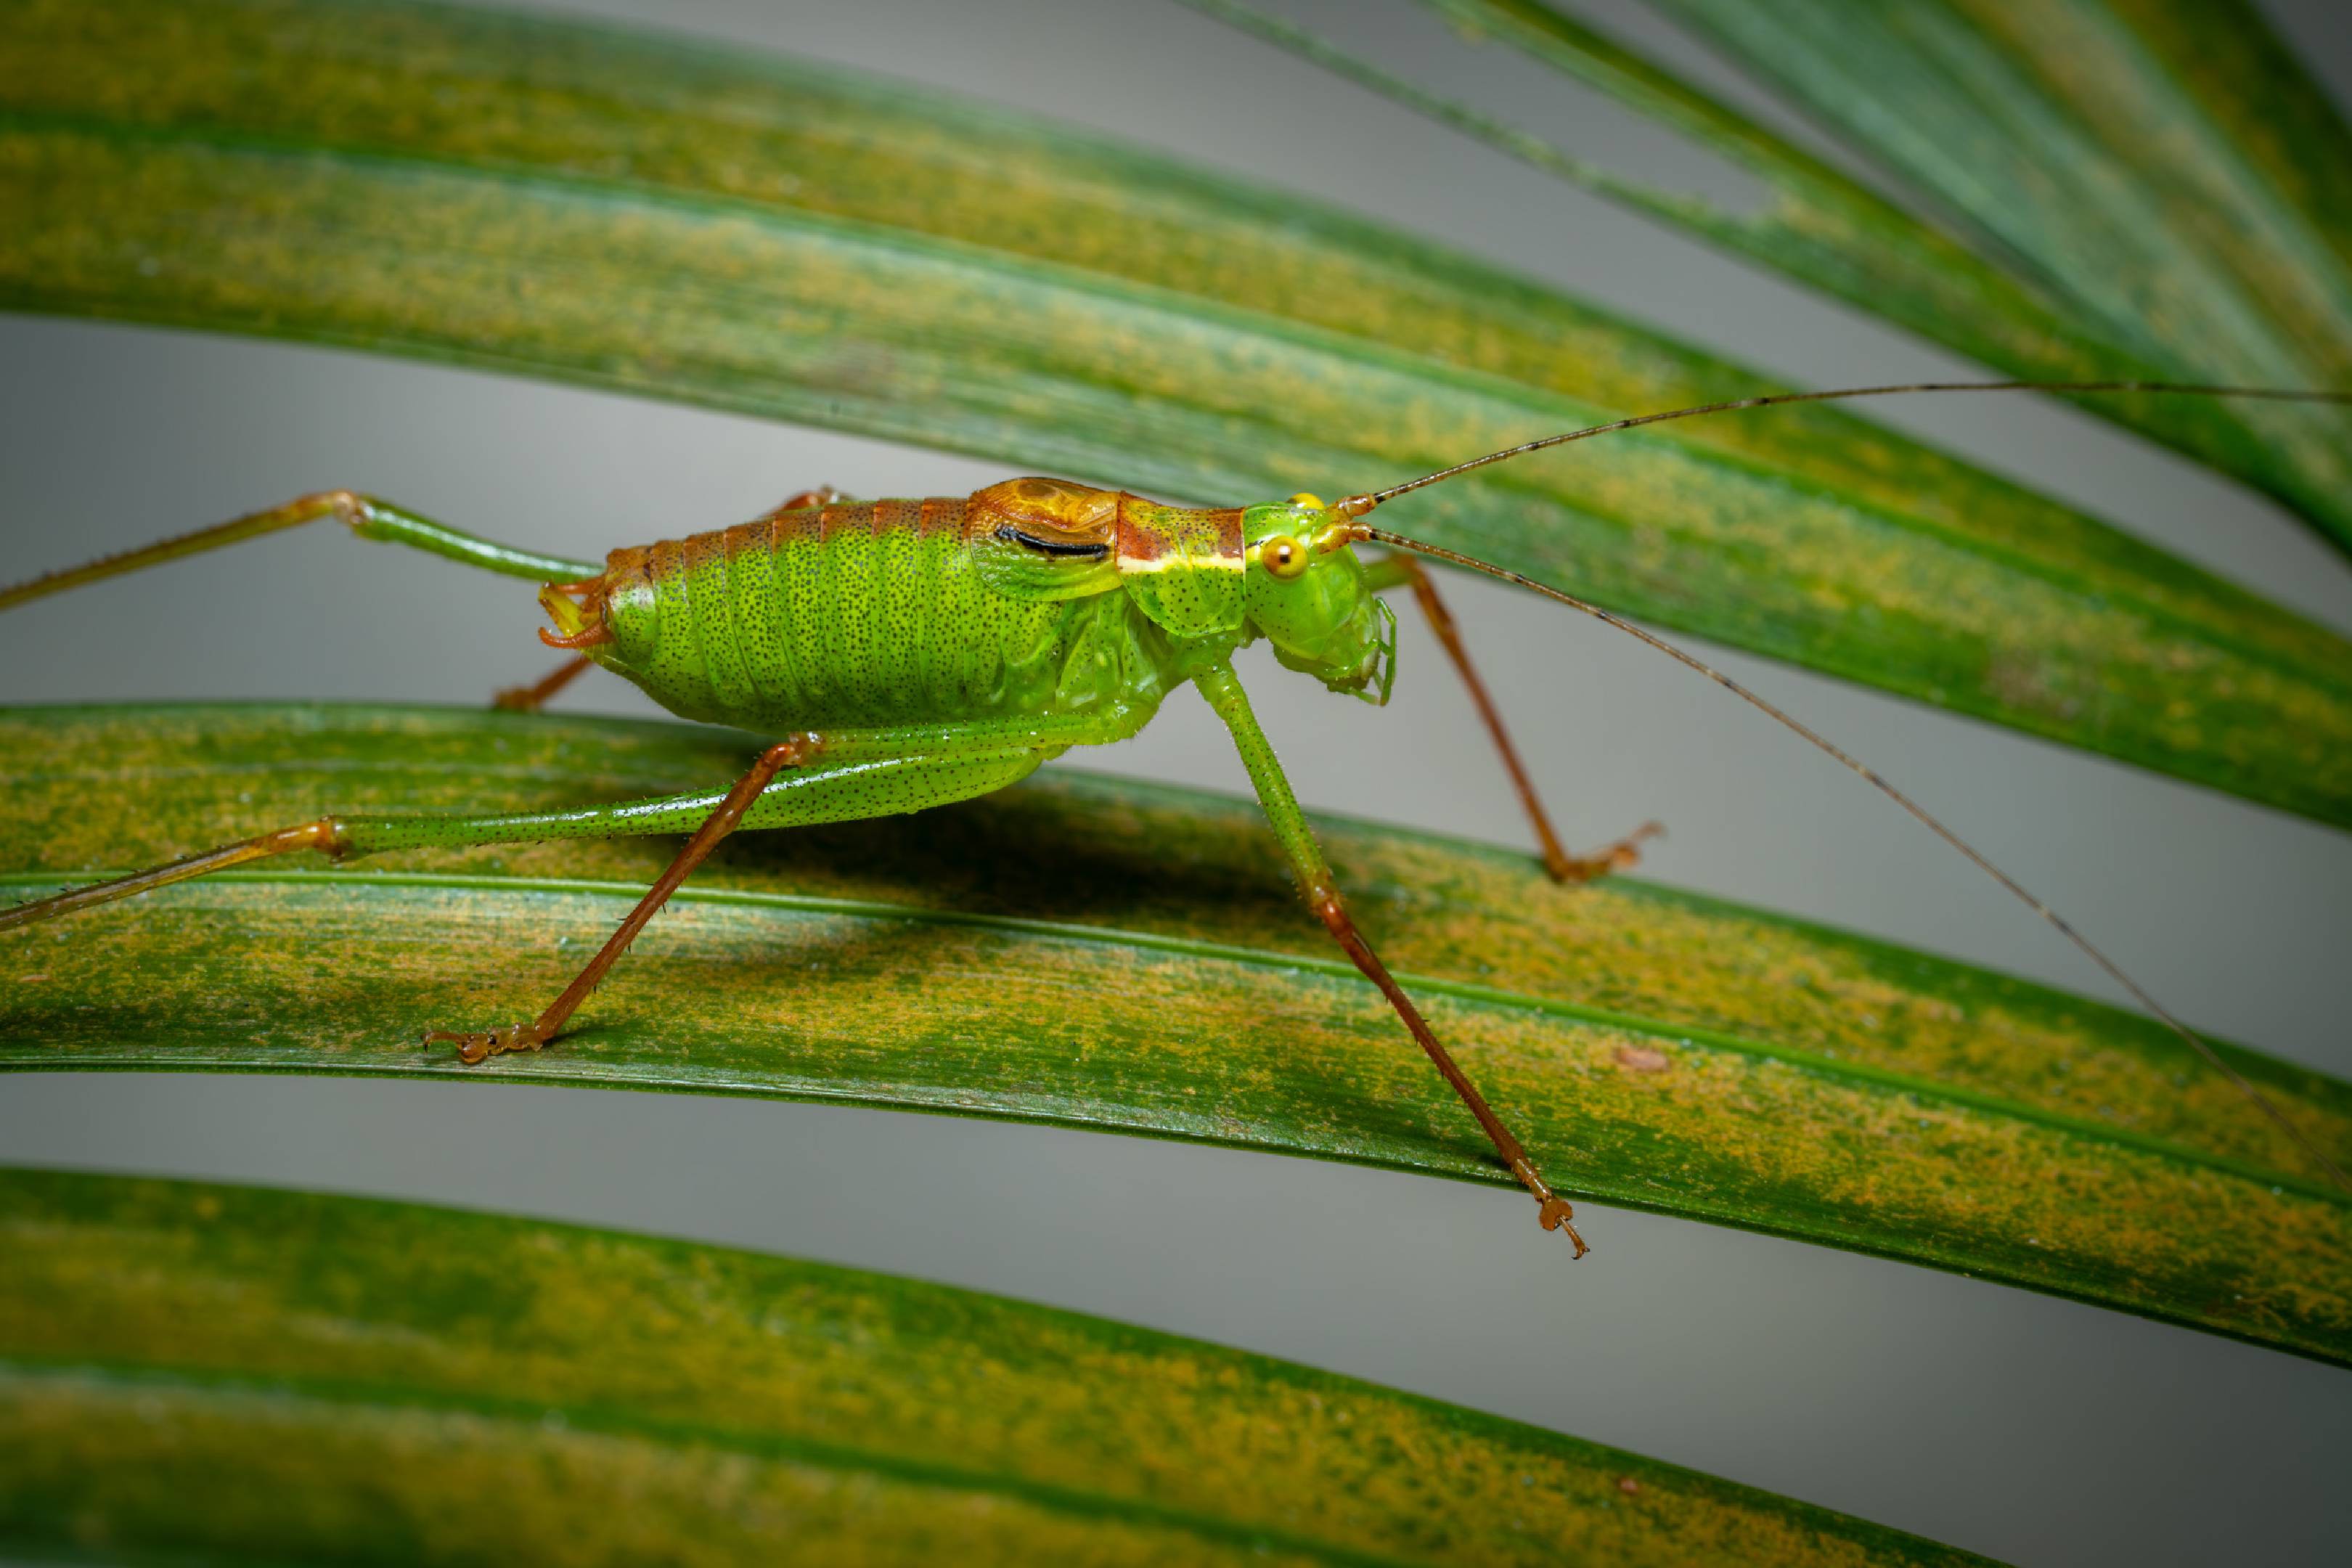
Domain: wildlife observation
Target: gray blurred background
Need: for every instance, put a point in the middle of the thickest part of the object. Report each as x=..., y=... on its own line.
x=1993, y=1419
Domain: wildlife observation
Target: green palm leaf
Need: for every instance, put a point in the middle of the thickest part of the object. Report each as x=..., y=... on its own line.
x=224, y=1373
x=1127, y=957
x=2117, y=189
x=577, y=204
x=2165, y=168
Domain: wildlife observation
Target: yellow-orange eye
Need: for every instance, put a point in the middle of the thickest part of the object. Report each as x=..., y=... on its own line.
x=1311, y=502
x=1283, y=556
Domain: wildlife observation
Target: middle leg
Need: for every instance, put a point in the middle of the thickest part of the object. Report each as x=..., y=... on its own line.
x=722, y=821
x=856, y=774
x=532, y=699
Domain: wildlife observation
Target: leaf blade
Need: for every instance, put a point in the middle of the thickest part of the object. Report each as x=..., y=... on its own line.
x=1831, y=231
x=736, y=1401
x=670, y=223
x=2112, y=151
x=1653, y=1050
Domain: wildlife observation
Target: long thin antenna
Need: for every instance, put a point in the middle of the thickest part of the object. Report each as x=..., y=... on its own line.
x=1356, y=506
x=1365, y=532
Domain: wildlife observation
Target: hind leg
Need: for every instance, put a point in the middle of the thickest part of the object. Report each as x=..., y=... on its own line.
x=805, y=780
x=365, y=516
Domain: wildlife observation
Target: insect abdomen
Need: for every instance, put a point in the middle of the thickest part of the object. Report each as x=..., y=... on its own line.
x=856, y=615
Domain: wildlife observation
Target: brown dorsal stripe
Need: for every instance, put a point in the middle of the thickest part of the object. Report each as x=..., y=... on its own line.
x=702, y=549
x=941, y=514
x=802, y=525
x=746, y=536
x=841, y=521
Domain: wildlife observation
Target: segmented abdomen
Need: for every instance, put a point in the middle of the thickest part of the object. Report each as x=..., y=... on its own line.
x=856, y=615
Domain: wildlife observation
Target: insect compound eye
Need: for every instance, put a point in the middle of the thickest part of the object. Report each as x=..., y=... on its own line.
x=1308, y=502
x=1283, y=556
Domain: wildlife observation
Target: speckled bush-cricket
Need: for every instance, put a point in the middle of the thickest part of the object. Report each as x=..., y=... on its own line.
x=914, y=653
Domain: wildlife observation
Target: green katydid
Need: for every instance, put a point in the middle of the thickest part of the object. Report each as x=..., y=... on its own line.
x=913, y=653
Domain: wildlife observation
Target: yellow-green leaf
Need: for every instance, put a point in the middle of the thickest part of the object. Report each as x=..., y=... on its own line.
x=225, y=1374
x=573, y=202
x=1127, y=957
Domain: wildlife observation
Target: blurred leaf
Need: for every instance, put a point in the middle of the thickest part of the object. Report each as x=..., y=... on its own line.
x=1124, y=957
x=2164, y=168
x=269, y=1376
x=2141, y=282
x=560, y=200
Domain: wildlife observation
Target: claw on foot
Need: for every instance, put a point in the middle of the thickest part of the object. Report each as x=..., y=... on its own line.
x=1550, y=1208
x=475, y=1049
x=1555, y=1215
x=1621, y=855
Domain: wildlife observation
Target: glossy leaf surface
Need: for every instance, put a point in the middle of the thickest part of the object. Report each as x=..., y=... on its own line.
x=573, y=203
x=1133, y=958
x=252, y=1375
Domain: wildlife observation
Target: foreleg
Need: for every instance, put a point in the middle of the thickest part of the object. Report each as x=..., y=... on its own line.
x=1404, y=571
